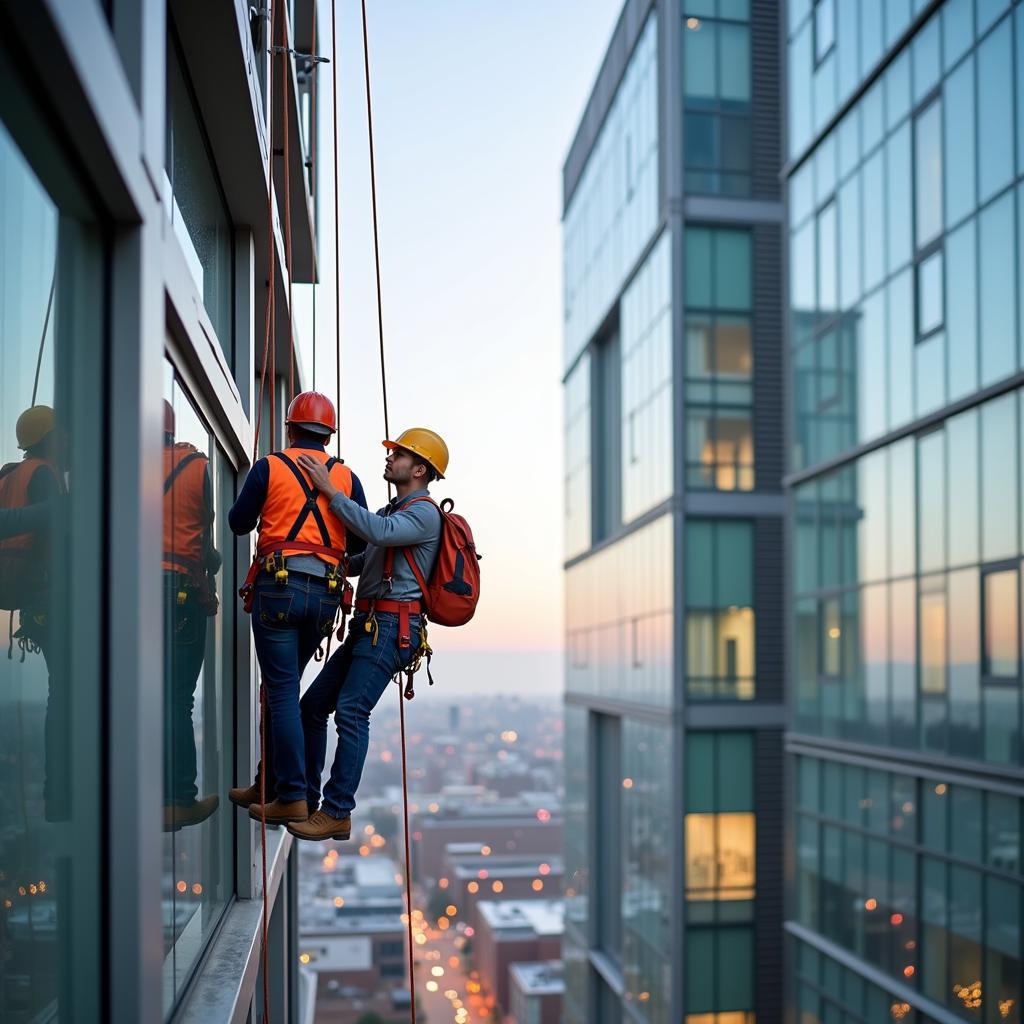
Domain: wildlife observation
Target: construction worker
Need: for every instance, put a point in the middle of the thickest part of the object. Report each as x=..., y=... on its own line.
x=384, y=635
x=37, y=482
x=190, y=565
x=295, y=587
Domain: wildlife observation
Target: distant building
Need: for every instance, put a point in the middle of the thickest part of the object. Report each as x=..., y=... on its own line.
x=351, y=936
x=471, y=876
x=507, y=826
x=514, y=931
x=535, y=992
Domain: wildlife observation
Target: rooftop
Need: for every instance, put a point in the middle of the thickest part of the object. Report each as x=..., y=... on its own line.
x=543, y=978
x=542, y=917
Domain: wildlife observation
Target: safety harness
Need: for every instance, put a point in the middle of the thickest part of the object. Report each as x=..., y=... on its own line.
x=270, y=550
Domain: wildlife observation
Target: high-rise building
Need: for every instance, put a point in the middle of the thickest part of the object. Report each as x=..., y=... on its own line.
x=906, y=355
x=136, y=140
x=673, y=227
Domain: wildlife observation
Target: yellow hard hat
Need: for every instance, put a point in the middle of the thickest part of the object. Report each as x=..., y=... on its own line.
x=430, y=447
x=33, y=426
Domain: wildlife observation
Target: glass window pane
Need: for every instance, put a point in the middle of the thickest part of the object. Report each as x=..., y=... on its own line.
x=198, y=214
x=735, y=550
x=699, y=346
x=903, y=666
x=899, y=206
x=1004, y=981
x=930, y=298
x=988, y=12
x=901, y=348
x=926, y=58
x=1002, y=848
x=733, y=348
x=874, y=220
x=932, y=493
x=872, y=31
x=734, y=63
x=933, y=643
x=998, y=478
x=962, y=310
x=934, y=815
x=897, y=90
x=964, y=594
x=849, y=243
x=735, y=773
x=824, y=27
x=928, y=164
x=198, y=734
x=998, y=323
x=700, y=767
x=958, y=116
x=733, y=289
x=52, y=589
x=735, y=968
x=957, y=30
x=1000, y=636
x=827, y=270
x=699, y=557
x=902, y=508
x=872, y=518
x=700, y=970
x=700, y=55
x=698, y=268
x=995, y=111
x=962, y=498
x=965, y=808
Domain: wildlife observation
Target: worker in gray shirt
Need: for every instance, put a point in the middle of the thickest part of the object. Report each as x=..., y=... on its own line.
x=384, y=635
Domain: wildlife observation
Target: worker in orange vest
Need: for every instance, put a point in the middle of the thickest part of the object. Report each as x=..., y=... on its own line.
x=293, y=590
x=37, y=482
x=190, y=565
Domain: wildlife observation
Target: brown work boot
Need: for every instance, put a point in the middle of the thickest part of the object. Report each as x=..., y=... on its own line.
x=321, y=825
x=248, y=796
x=177, y=816
x=279, y=812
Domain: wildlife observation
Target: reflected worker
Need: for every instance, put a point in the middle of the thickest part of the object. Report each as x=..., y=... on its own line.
x=293, y=589
x=25, y=579
x=384, y=635
x=190, y=565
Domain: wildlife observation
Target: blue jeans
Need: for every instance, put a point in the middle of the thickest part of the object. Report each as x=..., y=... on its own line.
x=350, y=684
x=288, y=624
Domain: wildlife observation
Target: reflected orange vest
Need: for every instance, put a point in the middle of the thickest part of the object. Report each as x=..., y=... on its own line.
x=15, y=478
x=294, y=510
x=186, y=515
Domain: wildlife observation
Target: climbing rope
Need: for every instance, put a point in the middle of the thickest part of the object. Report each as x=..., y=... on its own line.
x=387, y=433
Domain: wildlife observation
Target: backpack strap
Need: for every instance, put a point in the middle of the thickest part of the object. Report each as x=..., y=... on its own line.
x=389, y=553
x=180, y=468
x=311, y=507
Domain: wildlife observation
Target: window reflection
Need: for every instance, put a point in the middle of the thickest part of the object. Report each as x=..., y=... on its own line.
x=1000, y=633
x=197, y=875
x=52, y=590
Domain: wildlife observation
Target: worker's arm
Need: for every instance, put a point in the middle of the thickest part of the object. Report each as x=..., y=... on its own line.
x=356, y=545
x=414, y=524
x=355, y=563
x=245, y=513
x=27, y=519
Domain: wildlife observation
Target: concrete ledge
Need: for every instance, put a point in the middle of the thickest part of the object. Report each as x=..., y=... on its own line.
x=226, y=981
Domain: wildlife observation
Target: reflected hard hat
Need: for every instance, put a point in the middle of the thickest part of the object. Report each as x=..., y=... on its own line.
x=34, y=425
x=430, y=447
x=168, y=417
x=313, y=412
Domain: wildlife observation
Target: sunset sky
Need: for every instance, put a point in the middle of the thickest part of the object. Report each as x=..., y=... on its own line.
x=475, y=103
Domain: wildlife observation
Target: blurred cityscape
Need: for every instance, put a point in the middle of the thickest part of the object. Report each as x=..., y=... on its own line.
x=486, y=837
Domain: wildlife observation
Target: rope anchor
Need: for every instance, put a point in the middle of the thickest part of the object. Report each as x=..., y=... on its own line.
x=313, y=58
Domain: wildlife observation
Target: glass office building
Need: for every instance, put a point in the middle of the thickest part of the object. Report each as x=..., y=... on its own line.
x=673, y=225
x=906, y=365
x=135, y=141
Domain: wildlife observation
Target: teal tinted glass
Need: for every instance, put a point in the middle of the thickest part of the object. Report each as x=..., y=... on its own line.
x=735, y=757
x=735, y=549
x=995, y=112
x=699, y=560
x=733, y=286
x=700, y=769
x=698, y=268
x=998, y=479
x=958, y=148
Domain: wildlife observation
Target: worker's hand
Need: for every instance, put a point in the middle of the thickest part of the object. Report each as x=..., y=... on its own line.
x=318, y=475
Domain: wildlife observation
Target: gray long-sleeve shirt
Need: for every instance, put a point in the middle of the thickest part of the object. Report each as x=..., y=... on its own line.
x=416, y=526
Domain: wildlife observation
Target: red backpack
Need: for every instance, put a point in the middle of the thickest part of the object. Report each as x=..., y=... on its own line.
x=453, y=590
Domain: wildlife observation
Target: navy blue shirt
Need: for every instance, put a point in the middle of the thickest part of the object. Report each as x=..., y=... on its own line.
x=245, y=513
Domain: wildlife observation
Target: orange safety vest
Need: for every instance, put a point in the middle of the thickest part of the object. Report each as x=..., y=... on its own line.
x=15, y=478
x=186, y=514
x=294, y=510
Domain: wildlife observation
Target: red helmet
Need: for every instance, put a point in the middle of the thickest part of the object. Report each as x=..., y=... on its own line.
x=313, y=412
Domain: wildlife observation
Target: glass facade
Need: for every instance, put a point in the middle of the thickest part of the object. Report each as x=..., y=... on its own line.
x=195, y=200
x=198, y=868
x=717, y=97
x=719, y=359
x=52, y=283
x=904, y=326
x=646, y=373
x=619, y=638
x=614, y=210
x=577, y=458
x=721, y=875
